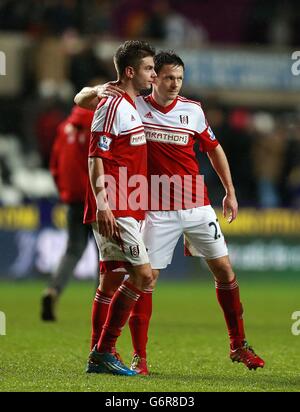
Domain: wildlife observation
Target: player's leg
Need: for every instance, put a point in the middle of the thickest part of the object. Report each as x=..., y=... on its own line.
x=111, y=276
x=228, y=295
x=161, y=231
x=204, y=238
x=122, y=303
x=103, y=358
x=78, y=234
x=133, y=253
x=108, y=284
x=139, y=321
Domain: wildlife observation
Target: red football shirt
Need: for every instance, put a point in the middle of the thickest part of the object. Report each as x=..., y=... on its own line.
x=118, y=139
x=171, y=133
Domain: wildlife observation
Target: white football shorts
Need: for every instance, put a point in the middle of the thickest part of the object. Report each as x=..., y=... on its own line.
x=202, y=234
x=113, y=255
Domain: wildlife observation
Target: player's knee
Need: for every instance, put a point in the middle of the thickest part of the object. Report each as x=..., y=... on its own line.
x=145, y=277
x=107, y=291
x=155, y=274
x=108, y=285
x=221, y=269
x=141, y=276
x=224, y=273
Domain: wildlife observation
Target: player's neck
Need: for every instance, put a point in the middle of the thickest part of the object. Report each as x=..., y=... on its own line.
x=160, y=100
x=128, y=88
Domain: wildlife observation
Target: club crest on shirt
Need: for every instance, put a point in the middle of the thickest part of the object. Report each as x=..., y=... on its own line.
x=211, y=134
x=134, y=251
x=104, y=143
x=184, y=119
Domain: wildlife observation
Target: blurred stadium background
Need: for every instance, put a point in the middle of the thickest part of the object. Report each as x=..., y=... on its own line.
x=239, y=64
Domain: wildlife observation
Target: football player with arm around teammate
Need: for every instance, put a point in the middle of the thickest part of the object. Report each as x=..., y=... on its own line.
x=172, y=125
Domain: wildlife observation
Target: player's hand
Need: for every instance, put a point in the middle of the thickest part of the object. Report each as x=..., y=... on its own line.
x=107, y=224
x=108, y=89
x=230, y=207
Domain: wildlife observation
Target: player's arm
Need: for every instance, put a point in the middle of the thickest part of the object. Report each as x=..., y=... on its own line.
x=88, y=97
x=219, y=162
x=107, y=225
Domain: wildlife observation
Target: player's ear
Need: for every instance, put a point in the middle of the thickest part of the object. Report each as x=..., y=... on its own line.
x=129, y=72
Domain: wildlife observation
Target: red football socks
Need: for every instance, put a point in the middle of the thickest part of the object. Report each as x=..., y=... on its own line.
x=139, y=322
x=229, y=299
x=99, y=314
x=119, y=310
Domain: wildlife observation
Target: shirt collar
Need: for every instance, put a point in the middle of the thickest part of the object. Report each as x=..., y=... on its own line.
x=163, y=109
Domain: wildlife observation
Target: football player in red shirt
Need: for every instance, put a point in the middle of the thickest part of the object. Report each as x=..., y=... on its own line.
x=118, y=142
x=69, y=168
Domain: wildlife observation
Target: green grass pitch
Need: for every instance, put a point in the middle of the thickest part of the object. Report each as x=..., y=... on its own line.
x=188, y=346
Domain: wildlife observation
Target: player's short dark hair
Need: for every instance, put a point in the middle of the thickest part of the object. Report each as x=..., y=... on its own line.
x=167, y=57
x=131, y=53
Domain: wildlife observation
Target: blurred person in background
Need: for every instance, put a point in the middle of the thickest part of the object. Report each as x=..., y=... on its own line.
x=69, y=168
x=269, y=150
x=173, y=28
x=98, y=18
x=237, y=141
x=51, y=114
x=291, y=175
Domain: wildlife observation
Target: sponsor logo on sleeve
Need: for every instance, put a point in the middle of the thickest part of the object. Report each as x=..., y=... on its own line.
x=104, y=143
x=211, y=134
x=138, y=139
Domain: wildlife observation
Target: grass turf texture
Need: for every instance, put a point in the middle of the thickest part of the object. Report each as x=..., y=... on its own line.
x=188, y=347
